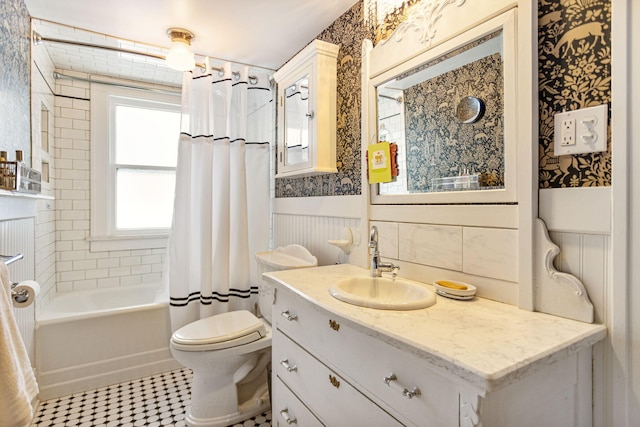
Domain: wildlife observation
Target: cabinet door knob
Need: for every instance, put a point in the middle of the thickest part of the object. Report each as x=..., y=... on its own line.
x=288, y=418
x=290, y=317
x=334, y=325
x=285, y=364
x=310, y=115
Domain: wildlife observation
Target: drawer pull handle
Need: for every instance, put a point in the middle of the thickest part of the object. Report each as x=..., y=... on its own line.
x=288, y=315
x=334, y=325
x=288, y=418
x=334, y=381
x=289, y=368
x=392, y=381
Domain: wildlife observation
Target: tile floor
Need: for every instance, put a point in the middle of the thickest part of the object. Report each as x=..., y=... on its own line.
x=159, y=400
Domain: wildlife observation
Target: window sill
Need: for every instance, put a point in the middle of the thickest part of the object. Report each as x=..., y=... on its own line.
x=124, y=243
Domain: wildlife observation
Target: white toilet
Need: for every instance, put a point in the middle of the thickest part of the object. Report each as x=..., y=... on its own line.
x=229, y=353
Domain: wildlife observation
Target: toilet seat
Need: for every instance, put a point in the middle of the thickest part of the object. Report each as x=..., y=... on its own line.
x=219, y=332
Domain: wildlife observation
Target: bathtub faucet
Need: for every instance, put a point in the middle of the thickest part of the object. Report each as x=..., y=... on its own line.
x=377, y=267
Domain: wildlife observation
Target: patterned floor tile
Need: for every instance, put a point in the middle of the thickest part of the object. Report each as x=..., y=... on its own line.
x=159, y=400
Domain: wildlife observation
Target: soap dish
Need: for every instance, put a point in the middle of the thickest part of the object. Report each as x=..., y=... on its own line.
x=454, y=289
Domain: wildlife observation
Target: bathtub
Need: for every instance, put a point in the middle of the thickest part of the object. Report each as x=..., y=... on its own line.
x=93, y=338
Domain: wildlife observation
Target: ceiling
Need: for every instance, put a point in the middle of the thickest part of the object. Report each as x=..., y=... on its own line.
x=261, y=33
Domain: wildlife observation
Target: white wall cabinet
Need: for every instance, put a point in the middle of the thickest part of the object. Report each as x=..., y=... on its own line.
x=307, y=111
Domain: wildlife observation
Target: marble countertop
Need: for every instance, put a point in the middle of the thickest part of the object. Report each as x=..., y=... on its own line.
x=486, y=343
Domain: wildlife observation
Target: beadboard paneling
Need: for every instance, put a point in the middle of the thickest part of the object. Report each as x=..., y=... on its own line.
x=313, y=232
x=17, y=236
x=586, y=256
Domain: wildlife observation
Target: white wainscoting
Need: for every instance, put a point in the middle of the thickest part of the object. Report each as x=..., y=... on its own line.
x=313, y=221
x=17, y=236
x=579, y=222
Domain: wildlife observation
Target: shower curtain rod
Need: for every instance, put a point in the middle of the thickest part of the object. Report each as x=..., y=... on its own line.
x=57, y=75
x=37, y=39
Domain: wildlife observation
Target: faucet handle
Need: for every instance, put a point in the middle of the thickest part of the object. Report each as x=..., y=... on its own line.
x=394, y=271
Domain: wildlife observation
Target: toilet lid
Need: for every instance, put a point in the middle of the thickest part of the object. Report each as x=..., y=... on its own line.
x=231, y=326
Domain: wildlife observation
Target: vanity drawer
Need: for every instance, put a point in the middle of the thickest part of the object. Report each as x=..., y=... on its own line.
x=326, y=393
x=303, y=322
x=288, y=410
x=366, y=361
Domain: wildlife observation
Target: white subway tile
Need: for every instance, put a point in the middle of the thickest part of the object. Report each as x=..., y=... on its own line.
x=69, y=276
x=108, y=263
x=64, y=225
x=151, y=259
x=88, y=264
x=130, y=280
x=141, y=269
x=69, y=255
x=64, y=266
x=80, y=285
x=152, y=278
x=81, y=165
x=119, y=254
x=99, y=273
x=81, y=225
x=64, y=286
x=129, y=261
x=109, y=282
x=119, y=271
x=72, y=235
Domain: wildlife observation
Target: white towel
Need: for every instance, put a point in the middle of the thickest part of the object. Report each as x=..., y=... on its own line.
x=19, y=387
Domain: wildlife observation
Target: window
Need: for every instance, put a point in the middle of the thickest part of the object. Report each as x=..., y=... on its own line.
x=134, y=147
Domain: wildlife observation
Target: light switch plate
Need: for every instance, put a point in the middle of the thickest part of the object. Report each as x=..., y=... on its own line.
x=587, y=134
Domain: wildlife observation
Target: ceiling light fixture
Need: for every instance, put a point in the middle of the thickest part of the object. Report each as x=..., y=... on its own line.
x=180, y=57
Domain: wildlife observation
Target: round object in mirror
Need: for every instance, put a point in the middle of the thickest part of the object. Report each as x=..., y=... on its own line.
x=470, y=109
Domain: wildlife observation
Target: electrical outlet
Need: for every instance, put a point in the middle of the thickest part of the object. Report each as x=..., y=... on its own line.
x=568, y=129
x=580, y=131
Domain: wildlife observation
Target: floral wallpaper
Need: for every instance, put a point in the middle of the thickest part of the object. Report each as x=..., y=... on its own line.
x=574, y=46
x=348, y=31
x=438, y=144
x=15, y=119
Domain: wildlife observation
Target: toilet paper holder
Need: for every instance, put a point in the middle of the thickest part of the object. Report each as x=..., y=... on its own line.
x=21, y=295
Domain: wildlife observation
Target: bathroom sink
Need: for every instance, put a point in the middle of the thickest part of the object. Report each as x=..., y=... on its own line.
x=382, y=293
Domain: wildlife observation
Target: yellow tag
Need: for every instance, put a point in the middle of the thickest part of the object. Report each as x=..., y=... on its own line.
x=379, y=163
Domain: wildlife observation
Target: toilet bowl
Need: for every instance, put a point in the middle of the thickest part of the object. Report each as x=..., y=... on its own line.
x=229, y=352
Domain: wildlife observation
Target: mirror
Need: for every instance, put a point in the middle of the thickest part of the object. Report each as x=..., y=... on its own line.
x=296, y=119
x=307, y=112
x=447, y=118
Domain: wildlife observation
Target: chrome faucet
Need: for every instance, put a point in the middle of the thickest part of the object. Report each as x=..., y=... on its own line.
x=377, y=267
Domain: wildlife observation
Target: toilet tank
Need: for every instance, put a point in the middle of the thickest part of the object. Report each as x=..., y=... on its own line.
x=282, y=258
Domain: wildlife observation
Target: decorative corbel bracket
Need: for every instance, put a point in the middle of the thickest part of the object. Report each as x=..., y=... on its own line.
x=557, y=293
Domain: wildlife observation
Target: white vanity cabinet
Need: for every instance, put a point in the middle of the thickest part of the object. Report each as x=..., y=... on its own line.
x=340, y=373
x=476, y=363
x=307, y=111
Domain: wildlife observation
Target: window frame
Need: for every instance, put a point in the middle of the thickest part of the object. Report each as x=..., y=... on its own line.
x=104, y=236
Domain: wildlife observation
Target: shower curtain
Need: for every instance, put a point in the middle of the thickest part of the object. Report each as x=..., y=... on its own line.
x=221, y=208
